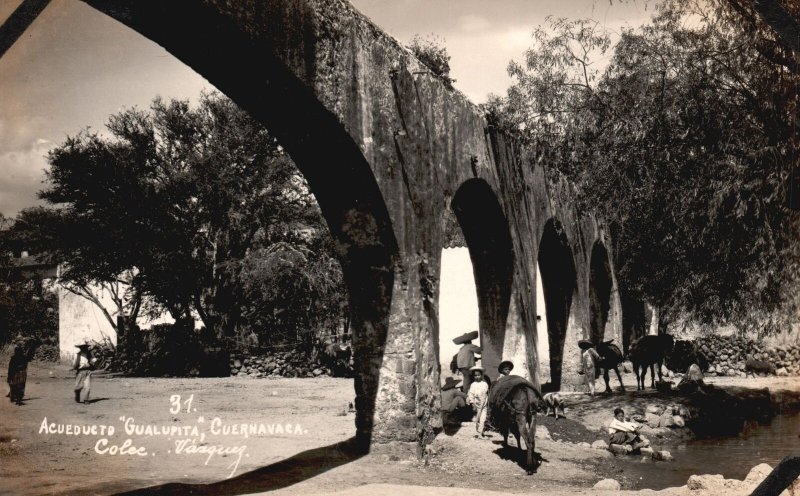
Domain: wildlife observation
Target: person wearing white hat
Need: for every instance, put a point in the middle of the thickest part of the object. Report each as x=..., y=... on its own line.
x=477, y=398
x=83, y=372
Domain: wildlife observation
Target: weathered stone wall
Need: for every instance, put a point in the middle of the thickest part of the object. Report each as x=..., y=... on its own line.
x=387, y=148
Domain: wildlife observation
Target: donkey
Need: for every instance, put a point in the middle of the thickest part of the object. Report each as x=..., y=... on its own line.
x=610, y=358
x=517, y=414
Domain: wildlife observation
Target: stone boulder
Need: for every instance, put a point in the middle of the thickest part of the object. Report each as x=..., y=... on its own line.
x=651, y=419
x=694, y=373
x=608, y=485
x=666, y=420
x=620, y=449
x=600, y=444
x=654, y=409
x=758, y=474
x=711, y=484
x=662, y=455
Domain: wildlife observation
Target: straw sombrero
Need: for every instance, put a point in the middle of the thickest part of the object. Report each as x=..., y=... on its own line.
x=466, y=337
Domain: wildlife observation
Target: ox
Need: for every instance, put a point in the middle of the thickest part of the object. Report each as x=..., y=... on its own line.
x=513, y=402
x=650, y=351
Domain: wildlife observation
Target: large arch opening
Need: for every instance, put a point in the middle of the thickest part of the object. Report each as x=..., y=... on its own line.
x=458, y=297
x=488, y=239
x=242, y=66
x=600, y=284
x=559, y=281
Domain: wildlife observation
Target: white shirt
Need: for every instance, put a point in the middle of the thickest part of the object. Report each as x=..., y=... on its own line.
x=616, y=426
x=478, y=393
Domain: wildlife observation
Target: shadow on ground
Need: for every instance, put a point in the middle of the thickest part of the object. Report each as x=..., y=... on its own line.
x=282, y=474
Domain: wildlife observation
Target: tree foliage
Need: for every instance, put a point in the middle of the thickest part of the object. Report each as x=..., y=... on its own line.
x=432, y=52
x=182, y=200
x=685, y=143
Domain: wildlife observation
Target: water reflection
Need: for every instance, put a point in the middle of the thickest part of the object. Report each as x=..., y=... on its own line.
x=731, y=457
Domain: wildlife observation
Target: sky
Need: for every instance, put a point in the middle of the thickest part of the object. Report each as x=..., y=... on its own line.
x=74, y=67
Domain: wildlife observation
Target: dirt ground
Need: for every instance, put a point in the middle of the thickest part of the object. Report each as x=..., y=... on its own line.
x=307, y=454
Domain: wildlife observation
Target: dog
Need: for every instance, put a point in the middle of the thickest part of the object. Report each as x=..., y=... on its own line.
x=555, y=402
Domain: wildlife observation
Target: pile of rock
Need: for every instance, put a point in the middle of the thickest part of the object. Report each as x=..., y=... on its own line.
x=666, y=416
x=727, y=355
x=288, y=363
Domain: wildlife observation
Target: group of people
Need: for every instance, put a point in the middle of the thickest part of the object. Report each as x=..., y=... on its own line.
x=23, y=354
x=471, y=401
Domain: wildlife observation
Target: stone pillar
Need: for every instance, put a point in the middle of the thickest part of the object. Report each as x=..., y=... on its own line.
x=571, y=364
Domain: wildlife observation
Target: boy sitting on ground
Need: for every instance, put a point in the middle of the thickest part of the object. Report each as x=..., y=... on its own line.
x=625, y=433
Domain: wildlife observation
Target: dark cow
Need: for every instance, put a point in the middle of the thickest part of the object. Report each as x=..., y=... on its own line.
x=337, y=357
x=513, y=403
x=683, y=355
x=610, y=358
x=752, y=367
x=649, y=351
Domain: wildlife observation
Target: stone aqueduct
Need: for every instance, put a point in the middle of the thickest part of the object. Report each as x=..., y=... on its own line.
x=387, y=149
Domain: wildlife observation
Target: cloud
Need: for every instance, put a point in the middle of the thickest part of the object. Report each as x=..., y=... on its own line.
x=23, y=173
x=473, y=23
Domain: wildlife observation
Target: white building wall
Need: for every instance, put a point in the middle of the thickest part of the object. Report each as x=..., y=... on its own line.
x=79, y=319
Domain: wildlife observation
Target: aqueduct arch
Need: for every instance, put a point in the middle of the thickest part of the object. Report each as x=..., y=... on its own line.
x=600, y=284
x=384, y=145
x=486, y=233
x=559, y=283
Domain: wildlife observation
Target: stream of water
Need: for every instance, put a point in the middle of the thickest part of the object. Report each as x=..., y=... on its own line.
x=732, y=457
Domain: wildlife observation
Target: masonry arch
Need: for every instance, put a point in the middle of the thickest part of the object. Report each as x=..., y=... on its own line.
x=488, y=239
x=559, y=281
x=244, y=68
x=600, y=284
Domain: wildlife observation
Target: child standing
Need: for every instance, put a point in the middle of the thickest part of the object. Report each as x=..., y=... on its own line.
x=589, y=360
x=477, y=398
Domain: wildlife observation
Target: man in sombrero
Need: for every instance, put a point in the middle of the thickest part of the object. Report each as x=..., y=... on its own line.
x=84, y=363
x=465, y=358
x=454, y=402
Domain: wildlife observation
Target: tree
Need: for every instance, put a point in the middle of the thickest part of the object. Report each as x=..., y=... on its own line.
x=27, y=306
x=177, y=198
x=432, y=52
x=685, y=144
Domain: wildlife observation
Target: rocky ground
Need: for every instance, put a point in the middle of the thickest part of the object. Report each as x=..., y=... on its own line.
x=297, y=451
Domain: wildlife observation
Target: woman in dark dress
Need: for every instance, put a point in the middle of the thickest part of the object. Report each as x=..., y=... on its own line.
x=17, y=374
